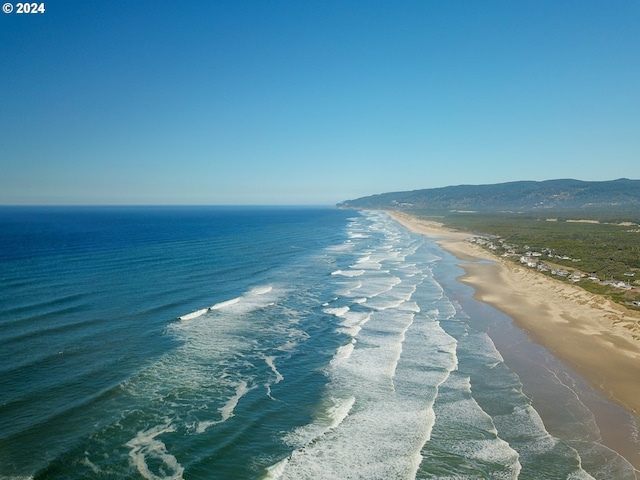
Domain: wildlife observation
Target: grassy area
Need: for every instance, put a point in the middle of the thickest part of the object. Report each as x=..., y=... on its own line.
x=608, y=249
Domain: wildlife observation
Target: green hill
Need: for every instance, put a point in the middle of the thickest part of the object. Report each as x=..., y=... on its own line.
x=524, y=196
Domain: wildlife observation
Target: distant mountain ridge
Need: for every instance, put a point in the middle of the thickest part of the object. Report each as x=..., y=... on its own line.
x=522, y=196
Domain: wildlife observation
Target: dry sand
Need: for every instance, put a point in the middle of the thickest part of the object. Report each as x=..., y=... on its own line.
x=598, y=338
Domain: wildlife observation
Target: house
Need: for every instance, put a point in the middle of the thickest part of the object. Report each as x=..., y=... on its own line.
x=528, y=261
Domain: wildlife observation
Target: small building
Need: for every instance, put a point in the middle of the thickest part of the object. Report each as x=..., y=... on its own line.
x=528, y=261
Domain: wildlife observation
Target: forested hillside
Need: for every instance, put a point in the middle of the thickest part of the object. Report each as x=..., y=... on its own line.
x=551, y=195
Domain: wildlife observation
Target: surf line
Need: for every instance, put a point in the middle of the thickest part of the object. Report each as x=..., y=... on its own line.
x=227, y=303
x=217, y=306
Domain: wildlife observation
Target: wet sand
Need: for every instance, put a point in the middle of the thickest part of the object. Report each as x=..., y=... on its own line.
x=598, y=339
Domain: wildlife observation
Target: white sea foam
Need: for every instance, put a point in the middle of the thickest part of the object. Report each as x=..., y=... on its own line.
x=340, y=410
x=226, y=411
x=352, y=318
x=192, y=315
x=398, y=295
x=225, y=304
x=276, y=470
x=295, y=337
x=446, y=310
x=352, y=322
x=398, y=347
x=288, y=346
x=370, y=266
x=348, y=273
x=338, y=311
x=351, y=331
x=270, y=362
x=250, y=300
x=385, y=304
x=371, y=443
x=261, y=290
x=335, y=411
x=352, y=289
x=377, y=284
x=343, y=353
x=146, y=447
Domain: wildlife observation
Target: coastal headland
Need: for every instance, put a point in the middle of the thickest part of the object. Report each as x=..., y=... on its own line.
x=597, y=338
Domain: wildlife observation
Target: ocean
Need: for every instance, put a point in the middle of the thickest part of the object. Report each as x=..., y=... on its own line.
x=267, y=343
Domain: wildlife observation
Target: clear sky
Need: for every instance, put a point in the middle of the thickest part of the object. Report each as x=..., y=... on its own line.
x=312, y=102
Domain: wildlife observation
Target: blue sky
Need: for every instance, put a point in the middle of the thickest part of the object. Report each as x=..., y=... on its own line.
x=312, y=102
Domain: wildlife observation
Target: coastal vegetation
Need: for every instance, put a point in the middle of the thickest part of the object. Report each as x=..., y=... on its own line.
x=600, y=253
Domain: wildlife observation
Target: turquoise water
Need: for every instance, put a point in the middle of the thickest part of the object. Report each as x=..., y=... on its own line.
x=201, y=343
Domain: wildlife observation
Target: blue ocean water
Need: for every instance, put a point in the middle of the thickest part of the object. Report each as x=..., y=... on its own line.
x=236, y=343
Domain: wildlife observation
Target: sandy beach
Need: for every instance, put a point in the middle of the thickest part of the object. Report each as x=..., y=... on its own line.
x=598, y=339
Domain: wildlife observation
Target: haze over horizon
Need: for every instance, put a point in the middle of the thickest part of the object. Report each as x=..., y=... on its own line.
x=309, y=104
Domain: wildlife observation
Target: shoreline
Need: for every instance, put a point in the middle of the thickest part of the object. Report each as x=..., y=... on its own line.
x=596, y=338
